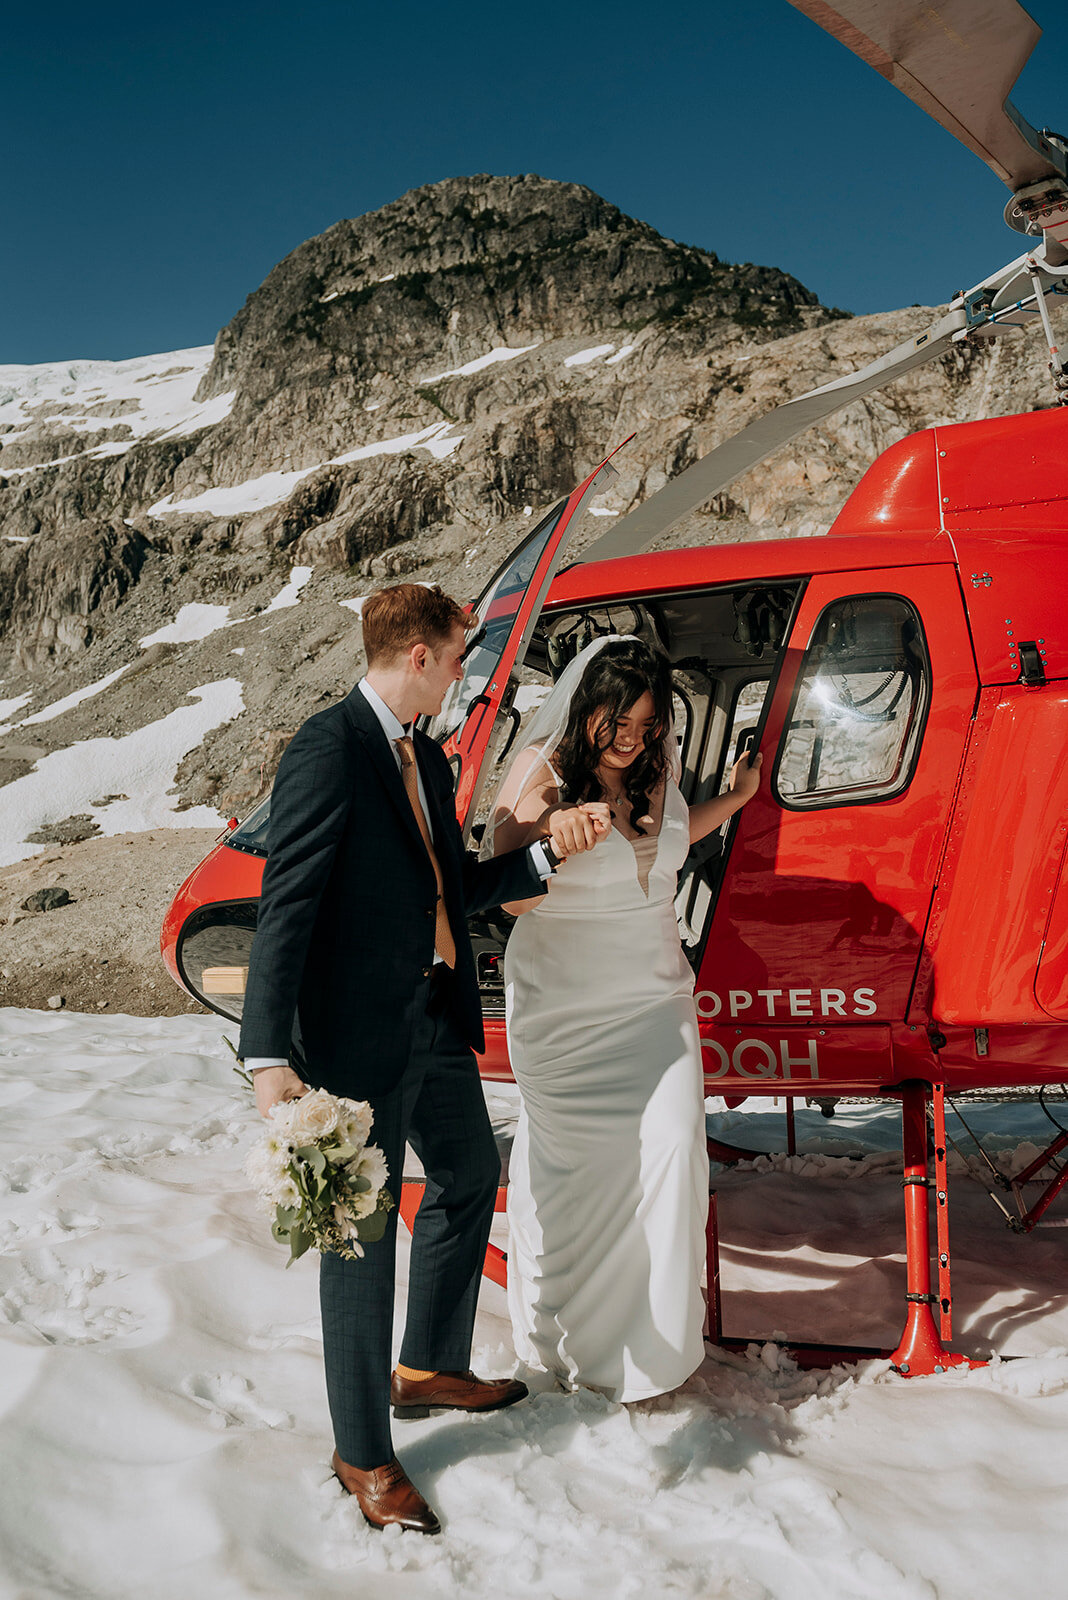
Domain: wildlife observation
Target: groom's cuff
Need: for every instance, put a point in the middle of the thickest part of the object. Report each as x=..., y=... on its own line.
x=542, y=865
x=256, y=1064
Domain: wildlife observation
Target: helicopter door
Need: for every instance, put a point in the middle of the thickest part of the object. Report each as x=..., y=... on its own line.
x=820, y=919
x=506, y=610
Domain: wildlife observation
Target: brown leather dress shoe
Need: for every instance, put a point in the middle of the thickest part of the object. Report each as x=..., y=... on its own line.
x=452, y=1391
x=386, y=1494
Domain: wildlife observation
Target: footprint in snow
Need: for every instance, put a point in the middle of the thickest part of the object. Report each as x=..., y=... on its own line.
x=61, y=1305
x=231, y=1401
x=63, y=1224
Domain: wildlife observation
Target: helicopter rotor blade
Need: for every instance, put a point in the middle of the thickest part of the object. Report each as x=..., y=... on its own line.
x=958, y=62
x=1005, y=300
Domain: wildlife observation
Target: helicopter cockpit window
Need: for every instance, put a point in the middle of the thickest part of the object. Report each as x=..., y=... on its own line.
x=251, y=836
x=860, y=706
x=496, y=613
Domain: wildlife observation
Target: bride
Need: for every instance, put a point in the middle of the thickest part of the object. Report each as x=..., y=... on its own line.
x=608, y=1181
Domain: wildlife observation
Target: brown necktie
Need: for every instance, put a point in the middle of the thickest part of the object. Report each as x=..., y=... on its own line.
x=444, y=943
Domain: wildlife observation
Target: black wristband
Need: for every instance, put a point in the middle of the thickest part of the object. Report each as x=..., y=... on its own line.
x=551, y=855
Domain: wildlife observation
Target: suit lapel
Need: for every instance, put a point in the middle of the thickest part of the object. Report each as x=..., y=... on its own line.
x=385, y=762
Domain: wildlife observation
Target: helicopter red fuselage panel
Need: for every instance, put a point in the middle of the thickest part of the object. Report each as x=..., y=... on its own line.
x=224, y=877
x=822, y=911
x=861, y=936
x=1000, y=873
x=997, y=493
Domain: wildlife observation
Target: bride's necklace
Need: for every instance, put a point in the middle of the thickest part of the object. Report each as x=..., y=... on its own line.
x=615, y=802
x=619, y=804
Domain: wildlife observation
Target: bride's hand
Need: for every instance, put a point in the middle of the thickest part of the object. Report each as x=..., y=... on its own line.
x=745, y=777
x=601, y=815
x=577, y=828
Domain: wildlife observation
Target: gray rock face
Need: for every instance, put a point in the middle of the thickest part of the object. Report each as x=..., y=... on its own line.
x=331, y=353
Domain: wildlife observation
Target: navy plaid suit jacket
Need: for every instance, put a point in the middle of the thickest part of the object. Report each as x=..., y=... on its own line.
x=345, y=930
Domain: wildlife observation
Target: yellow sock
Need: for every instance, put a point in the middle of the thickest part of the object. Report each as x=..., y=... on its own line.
x=411, y=1373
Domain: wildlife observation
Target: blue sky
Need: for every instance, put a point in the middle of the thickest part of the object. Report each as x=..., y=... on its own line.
x=161, y=160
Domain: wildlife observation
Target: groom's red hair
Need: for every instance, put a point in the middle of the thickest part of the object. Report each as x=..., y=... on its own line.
x=408, y=613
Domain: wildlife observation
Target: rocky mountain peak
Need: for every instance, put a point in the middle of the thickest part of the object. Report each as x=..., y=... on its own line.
x=452, y=269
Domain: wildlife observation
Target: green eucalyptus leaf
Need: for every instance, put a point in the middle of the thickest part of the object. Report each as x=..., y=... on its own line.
x=299, y=1241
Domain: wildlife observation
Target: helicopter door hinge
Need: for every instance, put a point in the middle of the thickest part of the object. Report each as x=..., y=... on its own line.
x=1032, y=663
x=981, y=580
x=982, y=1041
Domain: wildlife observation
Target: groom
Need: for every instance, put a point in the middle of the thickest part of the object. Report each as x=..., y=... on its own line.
x=362, y=974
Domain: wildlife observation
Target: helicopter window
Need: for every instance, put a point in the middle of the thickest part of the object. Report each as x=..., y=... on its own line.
x=747, y=708
x=251, y=836
x=860, y=706
x=496, y=614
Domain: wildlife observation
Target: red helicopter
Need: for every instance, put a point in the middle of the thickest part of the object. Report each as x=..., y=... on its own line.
x=889, y=916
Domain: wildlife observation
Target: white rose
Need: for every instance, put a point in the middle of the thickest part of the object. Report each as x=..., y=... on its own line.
x=315, y=1116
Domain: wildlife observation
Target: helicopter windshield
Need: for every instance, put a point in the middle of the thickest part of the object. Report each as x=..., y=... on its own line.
x=496, y=613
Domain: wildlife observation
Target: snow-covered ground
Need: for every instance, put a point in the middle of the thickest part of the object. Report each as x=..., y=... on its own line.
x=165, y=1427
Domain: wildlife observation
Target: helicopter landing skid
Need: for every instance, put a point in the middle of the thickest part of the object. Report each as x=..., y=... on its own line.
x=920, y=1351
x=1029, y=1216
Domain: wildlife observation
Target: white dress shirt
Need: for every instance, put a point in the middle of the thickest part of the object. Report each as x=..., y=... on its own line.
x=394, y=729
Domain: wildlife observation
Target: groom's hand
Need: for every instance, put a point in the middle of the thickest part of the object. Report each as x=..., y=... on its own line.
x=577, y=828
x=273, y=1084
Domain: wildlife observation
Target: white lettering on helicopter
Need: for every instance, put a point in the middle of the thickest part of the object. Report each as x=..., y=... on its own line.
x=755, y=1058
x=779, y=1004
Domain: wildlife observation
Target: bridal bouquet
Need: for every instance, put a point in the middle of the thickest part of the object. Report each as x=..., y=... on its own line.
x=315, y=1170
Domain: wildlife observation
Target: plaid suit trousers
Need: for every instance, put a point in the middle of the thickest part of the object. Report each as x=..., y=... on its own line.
x=439, y=1108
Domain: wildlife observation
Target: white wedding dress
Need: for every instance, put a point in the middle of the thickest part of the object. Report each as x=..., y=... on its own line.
x=608, y=1180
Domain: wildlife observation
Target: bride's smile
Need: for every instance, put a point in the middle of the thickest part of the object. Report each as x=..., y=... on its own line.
x=627, y=733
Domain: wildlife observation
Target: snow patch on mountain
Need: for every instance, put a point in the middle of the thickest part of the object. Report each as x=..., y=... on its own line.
x=121, y=783
x=57, y=708
x=148, y=395
x=480, y=363
x=582, y=358
x=192, y=622
x=273, y=487
x=290, y=595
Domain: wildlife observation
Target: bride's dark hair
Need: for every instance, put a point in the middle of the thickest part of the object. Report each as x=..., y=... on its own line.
x=617, y=677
